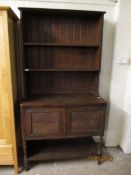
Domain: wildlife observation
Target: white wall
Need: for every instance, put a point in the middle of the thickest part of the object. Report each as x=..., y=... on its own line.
x=125, y=26
x=119, y=130
x=115, y=79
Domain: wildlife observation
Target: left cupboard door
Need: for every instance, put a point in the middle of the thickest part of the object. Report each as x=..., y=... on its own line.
x=43, y=122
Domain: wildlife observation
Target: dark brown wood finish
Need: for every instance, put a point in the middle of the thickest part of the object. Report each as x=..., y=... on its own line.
x=85, y=120
x=61, y=82
x=61, y=149
x=45, y=122
x=61, y=67
x=63, y=100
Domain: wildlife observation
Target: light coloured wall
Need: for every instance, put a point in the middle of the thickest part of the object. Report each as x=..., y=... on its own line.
x=119, y=130
x=115, y=79
x=125, y=24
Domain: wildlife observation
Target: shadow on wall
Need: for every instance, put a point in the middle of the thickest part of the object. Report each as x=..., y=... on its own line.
x=105, y=75
x=114, y=125
x=125, y=142
x=118, y=131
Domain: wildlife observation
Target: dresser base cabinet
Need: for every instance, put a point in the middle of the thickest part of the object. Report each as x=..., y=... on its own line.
x=61, y=132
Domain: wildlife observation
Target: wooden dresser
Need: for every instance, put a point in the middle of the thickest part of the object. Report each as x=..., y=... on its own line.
x=61, y=108
x=8, y=90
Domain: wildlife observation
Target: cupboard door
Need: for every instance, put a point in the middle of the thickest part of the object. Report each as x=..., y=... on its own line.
x=85, y=121
x=45, y=122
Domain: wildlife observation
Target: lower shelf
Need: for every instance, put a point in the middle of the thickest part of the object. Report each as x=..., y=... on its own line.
x=61, y=149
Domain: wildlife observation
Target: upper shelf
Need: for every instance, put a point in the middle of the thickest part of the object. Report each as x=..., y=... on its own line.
x=59, y=69
x=61, y=44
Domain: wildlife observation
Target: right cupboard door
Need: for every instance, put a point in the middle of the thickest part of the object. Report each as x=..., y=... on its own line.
x=85, y=121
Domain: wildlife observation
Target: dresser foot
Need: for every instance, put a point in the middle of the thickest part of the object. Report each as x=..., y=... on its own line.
x=26, y=165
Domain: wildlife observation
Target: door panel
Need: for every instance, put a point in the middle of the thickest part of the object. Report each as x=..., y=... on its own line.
x=85, y=120
x=45, y=122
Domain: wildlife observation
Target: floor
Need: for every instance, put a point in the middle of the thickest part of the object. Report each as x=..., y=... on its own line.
x=121, y=165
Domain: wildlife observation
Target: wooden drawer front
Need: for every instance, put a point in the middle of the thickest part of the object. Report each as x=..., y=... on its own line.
x=45, y=122
x=85, y=121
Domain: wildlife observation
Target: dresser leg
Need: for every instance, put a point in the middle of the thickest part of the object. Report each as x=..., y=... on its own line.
x=26, y=165
x=25, y=157
x=100, y=151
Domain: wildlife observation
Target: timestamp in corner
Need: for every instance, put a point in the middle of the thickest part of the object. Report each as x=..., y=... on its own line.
x=101, y=158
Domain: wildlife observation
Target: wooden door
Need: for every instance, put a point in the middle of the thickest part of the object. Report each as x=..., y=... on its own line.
x=44, y=122
x=85, y=120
